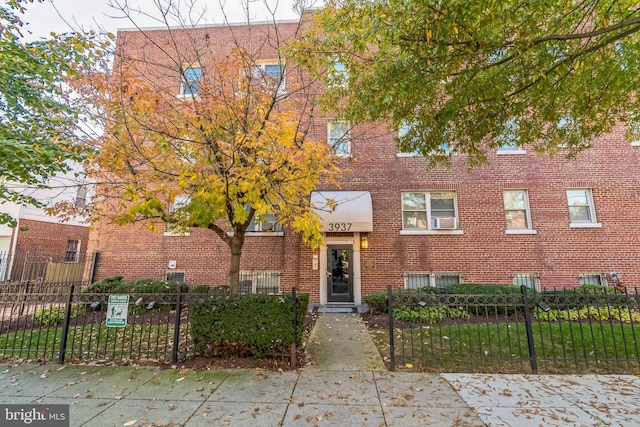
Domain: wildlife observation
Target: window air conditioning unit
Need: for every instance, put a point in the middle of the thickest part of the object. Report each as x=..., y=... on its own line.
x=445, y=223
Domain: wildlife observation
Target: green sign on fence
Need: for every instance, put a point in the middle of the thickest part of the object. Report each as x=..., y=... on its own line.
x=117, y=311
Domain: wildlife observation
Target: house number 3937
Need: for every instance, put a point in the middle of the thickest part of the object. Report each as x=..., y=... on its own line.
x=339, y=226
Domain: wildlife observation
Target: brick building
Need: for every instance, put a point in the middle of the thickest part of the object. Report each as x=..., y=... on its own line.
x=28, y=251
x=522, y=219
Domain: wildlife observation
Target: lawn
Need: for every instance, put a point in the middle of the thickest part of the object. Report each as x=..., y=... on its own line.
x=92, y=341
x=560, y=347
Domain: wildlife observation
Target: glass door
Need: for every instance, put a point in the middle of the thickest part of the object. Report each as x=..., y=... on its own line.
x=339, y=273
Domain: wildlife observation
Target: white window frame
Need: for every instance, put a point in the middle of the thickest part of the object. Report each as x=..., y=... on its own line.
x=256, y=275
x=633, y=132
x=264, y=228
x=584, y=279
x=338, y=141
x=429, y=217
x=260, y=66
x=445, y=147
x=178, y=201
x=72, y=254
x=506, y=137
x=526, y=279
x=337, y=73
x=81, y=196
x=430, y=278
x=184, y=82
x=592, y=222
x=527, y=210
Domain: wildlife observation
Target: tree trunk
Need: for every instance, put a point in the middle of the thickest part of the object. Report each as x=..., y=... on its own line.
x=234, y=269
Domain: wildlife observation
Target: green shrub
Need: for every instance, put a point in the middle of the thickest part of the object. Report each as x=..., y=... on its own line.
x=377, y=302
x=481, y=288
x=55, y=315
x=104, y=285
x=261, y=324
x=428, y=314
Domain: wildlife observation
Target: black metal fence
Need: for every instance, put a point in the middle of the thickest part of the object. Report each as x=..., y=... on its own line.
x=40, y=321
x=555, y=331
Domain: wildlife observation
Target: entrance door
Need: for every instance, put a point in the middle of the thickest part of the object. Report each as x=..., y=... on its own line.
x=339, y=273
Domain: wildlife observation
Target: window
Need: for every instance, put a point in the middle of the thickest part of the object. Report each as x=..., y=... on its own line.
x=81, y=197
x=633, y=132
x=444, y=149
x=270, y=72
x=337, y=72
x=264, y=223
x=177, y=214
x=429, y=211
x=437, y=280
x=581, y=209
x=174, y=276
x=516, y=209
x=339, y=137
x=191, y=81
x=593, y=279
x=73, y=251
x=252, y=282
x=530, y=280
x=508, y=138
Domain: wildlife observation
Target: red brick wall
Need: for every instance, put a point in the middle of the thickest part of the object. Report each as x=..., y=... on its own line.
x=483, y=253
x=46, y=239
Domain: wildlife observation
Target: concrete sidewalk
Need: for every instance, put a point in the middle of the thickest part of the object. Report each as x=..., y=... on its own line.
x=327, y=392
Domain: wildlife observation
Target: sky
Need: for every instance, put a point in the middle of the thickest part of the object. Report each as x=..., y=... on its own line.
x=64, y=15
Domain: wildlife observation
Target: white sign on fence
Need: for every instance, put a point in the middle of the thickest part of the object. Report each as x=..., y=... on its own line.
x=117, y=311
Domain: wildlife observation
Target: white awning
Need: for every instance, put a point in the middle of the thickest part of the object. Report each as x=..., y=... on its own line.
x=343, y=211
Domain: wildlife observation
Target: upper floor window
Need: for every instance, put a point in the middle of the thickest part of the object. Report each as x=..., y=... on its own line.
x=73, y=251
x=508, y=138
x=176, y=213
x=633, y=132
x=81, y=196
x=581, y=207
x=411, y=147
x=270, y=72
x=190, y=84
x=339, y=137
x=429, y=210
x=337, y=72
x=516, y=209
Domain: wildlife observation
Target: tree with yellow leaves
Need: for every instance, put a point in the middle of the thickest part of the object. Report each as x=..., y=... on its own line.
x=199, y=135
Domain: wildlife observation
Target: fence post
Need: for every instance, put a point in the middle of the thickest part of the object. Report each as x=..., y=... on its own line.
x=392, y=347
x=294, y=296
x=176, y=326
x=527, y=321
x=65, y=325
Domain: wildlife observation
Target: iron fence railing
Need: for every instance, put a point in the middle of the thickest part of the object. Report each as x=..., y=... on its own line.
x=554, y=331
x=59, y=322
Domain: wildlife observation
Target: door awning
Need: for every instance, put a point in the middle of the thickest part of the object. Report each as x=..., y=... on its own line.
x=343, y=211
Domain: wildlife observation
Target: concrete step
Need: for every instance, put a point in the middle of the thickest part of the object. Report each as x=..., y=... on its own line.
x=338, y=308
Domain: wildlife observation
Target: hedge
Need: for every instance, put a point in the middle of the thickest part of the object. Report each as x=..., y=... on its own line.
x=261, y=324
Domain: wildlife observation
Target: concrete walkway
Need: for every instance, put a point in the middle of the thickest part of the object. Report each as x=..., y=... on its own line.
x=341, y=342
x=345, y=389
